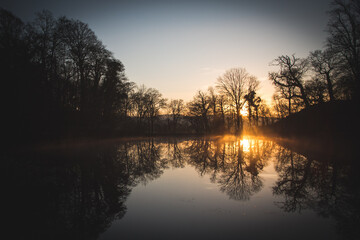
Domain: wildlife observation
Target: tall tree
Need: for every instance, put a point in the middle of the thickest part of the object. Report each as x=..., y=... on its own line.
x=324, y=64
x=252, y=100
x=61, y=75
x=233, y=85
x=138, y=102
x=113, y=89
x=176, y=108
x=290, y=77
x=344, y=37
x=199, y=109
x=82, y=42
x=154, y=103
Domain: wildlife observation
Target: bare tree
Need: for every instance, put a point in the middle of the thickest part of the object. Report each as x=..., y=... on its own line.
x=176, y=108
x=324, y=64
x=81, y=41
x=316, y=90
x=344, y=31
x=138, y=102
x=154, y=103
x=281, y=106
x=233, y=85
x=265, y=113
x=199, y=108
x=289, y=80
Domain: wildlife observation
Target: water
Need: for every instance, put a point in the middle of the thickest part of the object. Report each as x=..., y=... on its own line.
x=200, y=188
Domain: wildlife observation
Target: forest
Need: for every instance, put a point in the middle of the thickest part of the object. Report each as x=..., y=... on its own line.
x=59, y=81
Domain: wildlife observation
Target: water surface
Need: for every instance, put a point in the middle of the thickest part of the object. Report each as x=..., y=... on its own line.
x=199, y=188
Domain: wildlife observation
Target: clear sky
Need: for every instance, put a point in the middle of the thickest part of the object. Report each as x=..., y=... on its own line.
x=179, y=47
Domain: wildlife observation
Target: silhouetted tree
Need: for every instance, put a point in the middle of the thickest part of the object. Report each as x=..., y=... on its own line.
x=217, y=111
x=253, y=102
x=316, y=91
x=265, y=113
x=233, y=85
x=146, y=105
x=343, y=40
x=154, y=103
x=176, y=108
x=115, y=90
x=138, y=102
x=324, y=64
x=65, y=81
x=289, y=80
x=21, y=99
x=199, y=109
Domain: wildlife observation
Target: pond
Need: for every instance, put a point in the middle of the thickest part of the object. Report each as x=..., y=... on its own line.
x=180, y=188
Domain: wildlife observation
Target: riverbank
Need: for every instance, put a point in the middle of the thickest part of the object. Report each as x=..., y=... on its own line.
x=329, y=127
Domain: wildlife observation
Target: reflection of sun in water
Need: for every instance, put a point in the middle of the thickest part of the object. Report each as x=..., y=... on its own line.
x=245, y=144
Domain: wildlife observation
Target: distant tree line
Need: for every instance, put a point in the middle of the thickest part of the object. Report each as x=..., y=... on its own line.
x=59, y=80
x=221, y=109
x=325, y=75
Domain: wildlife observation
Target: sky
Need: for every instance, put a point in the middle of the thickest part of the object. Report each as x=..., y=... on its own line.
x=180, y=47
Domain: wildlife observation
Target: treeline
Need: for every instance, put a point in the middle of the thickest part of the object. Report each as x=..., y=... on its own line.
x=222, y=109
x=60, y=81
x=326, y=75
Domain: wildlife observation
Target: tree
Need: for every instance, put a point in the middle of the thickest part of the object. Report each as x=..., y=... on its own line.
x=252, y=100
x=176, y=108
x=14, y=67
x=324, y=64
x=82, y=43
x=198, y=109
x=138, y=102
x=316, y=91
x=289, y=80
x=265, y=113
x=344, y=37
x=217, y=104
x=113, y=89
x=233, y=85
x=154, y=103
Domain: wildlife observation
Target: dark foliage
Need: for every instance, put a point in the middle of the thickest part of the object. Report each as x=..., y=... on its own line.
x=333, y=125
x=58, y=80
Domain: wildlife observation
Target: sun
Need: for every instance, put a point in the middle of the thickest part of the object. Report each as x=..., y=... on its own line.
x=244, y=112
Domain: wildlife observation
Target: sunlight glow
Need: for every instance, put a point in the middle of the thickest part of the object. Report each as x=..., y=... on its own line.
x=244, y=112
x=245, y=144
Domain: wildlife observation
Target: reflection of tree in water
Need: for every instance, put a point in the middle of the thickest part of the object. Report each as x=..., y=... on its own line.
x=144, y=162
x=294, y=173
x=68, y=195
x=233, y=168
x=328, y=186
x=174, y=153
x=76, y=194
